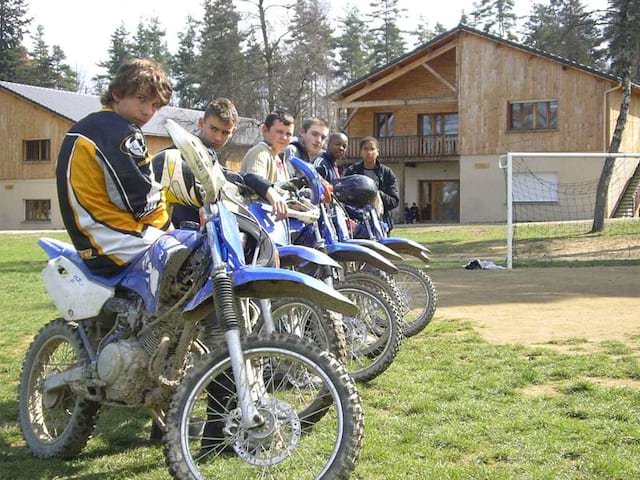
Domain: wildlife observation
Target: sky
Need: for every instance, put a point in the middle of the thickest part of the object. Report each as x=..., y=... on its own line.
x=83, y=28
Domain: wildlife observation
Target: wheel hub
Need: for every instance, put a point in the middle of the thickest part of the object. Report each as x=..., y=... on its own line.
x=357, y=332
x=52, y=398
x=272, y=442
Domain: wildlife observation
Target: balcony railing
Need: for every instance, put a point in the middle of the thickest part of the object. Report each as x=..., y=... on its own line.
x=410, y=147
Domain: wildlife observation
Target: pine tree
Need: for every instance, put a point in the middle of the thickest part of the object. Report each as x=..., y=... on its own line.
x=354, y=47
x=388, y=43
x=119, y=51
x=623, y=35
x=308, y=69
x=438, y=28
x=41, y=69
x=423, y=33
x=495, y=17
x=540, y=28
x=13, y=26
x=64, y=76
x=221, y=66
x=580, y=34
x=149, y=41
x=565, y=28
x=184, y=65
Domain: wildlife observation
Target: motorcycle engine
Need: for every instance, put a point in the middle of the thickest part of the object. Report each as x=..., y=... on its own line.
x=122, y=365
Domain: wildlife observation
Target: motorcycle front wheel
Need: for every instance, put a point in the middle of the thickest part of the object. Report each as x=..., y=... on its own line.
x=419, y=294
x=205, y=436
x=58, y=422
x=374, y=335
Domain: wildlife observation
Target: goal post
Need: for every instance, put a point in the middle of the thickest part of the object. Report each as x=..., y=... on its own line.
x=550, y=200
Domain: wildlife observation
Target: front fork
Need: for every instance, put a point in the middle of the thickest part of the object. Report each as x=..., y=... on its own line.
x=225, y=309
x=325, y=273
x=244, y=377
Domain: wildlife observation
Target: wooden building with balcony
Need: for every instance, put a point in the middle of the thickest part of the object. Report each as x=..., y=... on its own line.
x=444, y=113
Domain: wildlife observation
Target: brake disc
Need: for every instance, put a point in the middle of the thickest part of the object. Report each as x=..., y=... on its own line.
x=275, y=440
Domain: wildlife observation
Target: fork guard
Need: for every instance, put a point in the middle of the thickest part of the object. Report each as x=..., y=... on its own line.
x=407, y=247
x=349, y=252
x=265, y=283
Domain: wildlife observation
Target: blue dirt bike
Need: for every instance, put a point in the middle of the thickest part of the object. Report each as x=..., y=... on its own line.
x=373, y=336
x=411, y=286
x=274, y=406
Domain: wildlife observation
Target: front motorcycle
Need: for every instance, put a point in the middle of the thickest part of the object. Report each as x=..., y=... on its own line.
x=271, y=407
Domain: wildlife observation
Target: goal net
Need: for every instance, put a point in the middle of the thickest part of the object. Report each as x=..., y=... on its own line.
x=550, y=206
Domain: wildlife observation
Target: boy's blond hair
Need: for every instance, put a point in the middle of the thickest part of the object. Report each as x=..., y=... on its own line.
x=139, y=75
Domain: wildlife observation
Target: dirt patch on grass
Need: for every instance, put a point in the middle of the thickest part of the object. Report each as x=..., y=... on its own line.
x=536, y=306
x=540, y=391
x=615, y=382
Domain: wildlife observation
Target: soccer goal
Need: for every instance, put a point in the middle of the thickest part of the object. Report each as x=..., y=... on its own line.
x=550, y=200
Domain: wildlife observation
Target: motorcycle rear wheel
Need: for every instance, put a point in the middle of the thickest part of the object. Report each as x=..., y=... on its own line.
x=289, y=375
x=58, y=423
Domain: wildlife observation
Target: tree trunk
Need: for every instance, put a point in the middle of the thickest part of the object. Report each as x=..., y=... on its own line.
x=268, y=56
x=614, y=147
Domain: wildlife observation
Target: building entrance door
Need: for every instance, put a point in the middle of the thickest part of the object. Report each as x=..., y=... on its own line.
x=439, y=201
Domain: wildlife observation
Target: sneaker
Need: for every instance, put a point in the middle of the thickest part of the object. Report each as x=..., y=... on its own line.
x=156, y=434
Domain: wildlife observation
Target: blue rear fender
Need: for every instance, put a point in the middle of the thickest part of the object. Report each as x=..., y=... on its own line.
x=349, y=252
x=407, y=247
x=265, y=283
x=57, y=248
x=292, y=255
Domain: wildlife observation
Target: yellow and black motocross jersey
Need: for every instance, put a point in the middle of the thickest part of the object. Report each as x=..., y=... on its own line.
x=111, y=203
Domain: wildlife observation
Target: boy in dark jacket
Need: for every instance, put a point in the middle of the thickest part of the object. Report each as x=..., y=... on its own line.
x=381, y=174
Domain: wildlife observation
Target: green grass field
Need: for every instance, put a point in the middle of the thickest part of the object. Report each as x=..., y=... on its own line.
x=450, y=407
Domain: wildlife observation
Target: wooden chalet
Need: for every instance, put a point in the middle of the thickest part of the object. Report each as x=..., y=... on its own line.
x=445, y=112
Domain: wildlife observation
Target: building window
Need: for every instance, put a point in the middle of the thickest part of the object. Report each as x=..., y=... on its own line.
x=533, y=115
x=36, y=150
x=37, y=210
x=438, y=124
x=384, y=125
